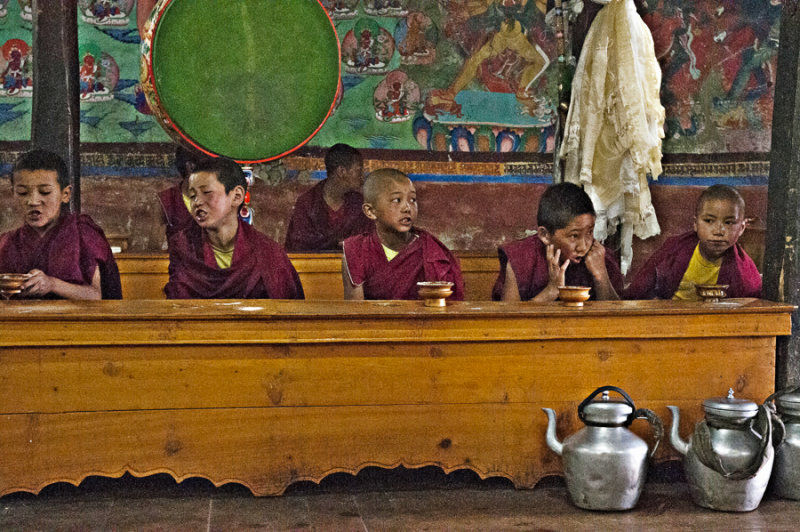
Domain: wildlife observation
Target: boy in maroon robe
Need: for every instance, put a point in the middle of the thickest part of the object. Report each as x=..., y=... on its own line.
x=387, y=262
x=221, y=257
x=331, y=211
x=711, y=246
x=175, y=200
x=563, y=252
x=66, y=255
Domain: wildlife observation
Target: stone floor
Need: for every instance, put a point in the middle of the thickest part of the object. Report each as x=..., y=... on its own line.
x=376, y=499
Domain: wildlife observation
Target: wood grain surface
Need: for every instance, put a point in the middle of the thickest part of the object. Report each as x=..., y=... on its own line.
x=267, y=393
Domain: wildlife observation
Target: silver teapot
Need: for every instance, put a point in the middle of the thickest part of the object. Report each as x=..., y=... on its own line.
x=728, y=459
x=786, y=471
x=605, y=464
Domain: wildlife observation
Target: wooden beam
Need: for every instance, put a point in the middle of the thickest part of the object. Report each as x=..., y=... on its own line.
x=782, y=253
x=55, y=121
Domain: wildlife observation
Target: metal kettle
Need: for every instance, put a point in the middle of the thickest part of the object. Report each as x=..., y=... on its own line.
x=786, y=471
x=605, y=464
x=728, y=459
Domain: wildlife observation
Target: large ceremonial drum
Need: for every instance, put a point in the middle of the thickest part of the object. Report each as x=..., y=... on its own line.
x=251, y=80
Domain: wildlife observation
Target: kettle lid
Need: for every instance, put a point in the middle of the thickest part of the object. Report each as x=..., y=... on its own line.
x=606, y=412
x=788, y=403
x=729, y=407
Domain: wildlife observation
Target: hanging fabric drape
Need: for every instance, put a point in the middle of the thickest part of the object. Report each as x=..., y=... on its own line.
x=613, y=132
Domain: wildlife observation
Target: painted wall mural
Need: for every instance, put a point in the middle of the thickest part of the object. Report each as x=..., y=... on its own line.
x=460, y=75
x=113, y=109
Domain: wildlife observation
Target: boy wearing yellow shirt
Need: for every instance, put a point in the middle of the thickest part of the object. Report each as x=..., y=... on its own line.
x=709, y=254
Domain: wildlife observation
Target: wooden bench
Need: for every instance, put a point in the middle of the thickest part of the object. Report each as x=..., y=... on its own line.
x=267, y=393
x=144, y=275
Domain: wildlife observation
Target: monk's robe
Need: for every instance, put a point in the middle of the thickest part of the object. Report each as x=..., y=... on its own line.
x=314, y=226
x=260, y=268
x=176, y=216
x=424, y=259
x=661, y=275
x=71, y=250
x=528, y=260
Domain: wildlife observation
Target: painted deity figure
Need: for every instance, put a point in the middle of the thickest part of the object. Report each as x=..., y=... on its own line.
x=88, y=76
x=364, y=56
x=16, y=76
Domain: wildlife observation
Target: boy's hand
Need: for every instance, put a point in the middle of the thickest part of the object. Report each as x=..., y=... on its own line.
x=556, y=270
x=595, y=260
x=39, y=284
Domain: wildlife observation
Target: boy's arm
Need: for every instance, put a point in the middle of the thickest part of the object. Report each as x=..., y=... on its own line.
x=41, y=284
x=510, y=288
x=557, y=272
x=351, y=292
x=643, y=285
x=596, y=264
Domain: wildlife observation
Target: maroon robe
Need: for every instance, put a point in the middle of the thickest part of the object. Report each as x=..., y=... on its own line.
x=661, y=275
x=260, y=268
x=176, y=216
x=315, y=227
x=71, y=251
x=528, y=259
x=424, y=259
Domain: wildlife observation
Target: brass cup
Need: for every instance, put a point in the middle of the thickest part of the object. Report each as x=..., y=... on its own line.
x=573, y=296
x=435, y=293
x=11, y=283
x=711, y=293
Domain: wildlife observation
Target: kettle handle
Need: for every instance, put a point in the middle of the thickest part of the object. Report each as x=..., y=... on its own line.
x=778, y=428
x=602, y=389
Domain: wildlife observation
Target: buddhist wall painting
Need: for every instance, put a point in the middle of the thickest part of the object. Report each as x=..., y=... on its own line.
x=460, y=75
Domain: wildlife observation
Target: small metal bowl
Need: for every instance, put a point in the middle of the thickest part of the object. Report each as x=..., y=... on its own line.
x=711, y=293
x=11, y=283
x=435, y=293
x=574, y=296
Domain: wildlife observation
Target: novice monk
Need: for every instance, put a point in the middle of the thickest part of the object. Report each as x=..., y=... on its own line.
x=221, y=257
x=709, y=254
x=67, y=255
x=562, y=252
x=175, y=203
x=331, y=211
x=387, y=262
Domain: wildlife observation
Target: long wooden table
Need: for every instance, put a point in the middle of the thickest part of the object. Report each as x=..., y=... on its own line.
x=267, y=393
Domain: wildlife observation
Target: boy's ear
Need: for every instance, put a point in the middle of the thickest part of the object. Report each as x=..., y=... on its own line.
x=544, y=235
x=66, y=194
x=369, y=211
x=742, y=227
x=238, y=195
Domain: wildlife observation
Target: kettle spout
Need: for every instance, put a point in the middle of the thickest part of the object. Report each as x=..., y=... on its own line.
x=674, y=436
x=552, y=441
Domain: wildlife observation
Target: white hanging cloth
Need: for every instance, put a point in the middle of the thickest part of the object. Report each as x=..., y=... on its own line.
x=612, y=137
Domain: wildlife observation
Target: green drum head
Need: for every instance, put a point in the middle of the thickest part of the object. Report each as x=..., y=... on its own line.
x=247, y=79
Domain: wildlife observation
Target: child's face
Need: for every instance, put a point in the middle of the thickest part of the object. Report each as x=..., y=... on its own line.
x=39, y=197
x=718, y=224
x=211, y=206
x=574, y=240
x=353, y=176
x=395, y=209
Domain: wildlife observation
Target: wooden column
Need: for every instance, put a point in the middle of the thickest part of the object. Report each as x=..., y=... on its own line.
x=782, y=254
x=55, y=121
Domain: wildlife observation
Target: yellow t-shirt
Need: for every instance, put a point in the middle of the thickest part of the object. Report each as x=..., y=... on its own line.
x=187, y=201
x=224, y=257
x=390, y=253
x=699, y=271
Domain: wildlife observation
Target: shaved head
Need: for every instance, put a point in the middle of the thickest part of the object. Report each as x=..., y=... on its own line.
x=379, y=180
x=723, y=193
